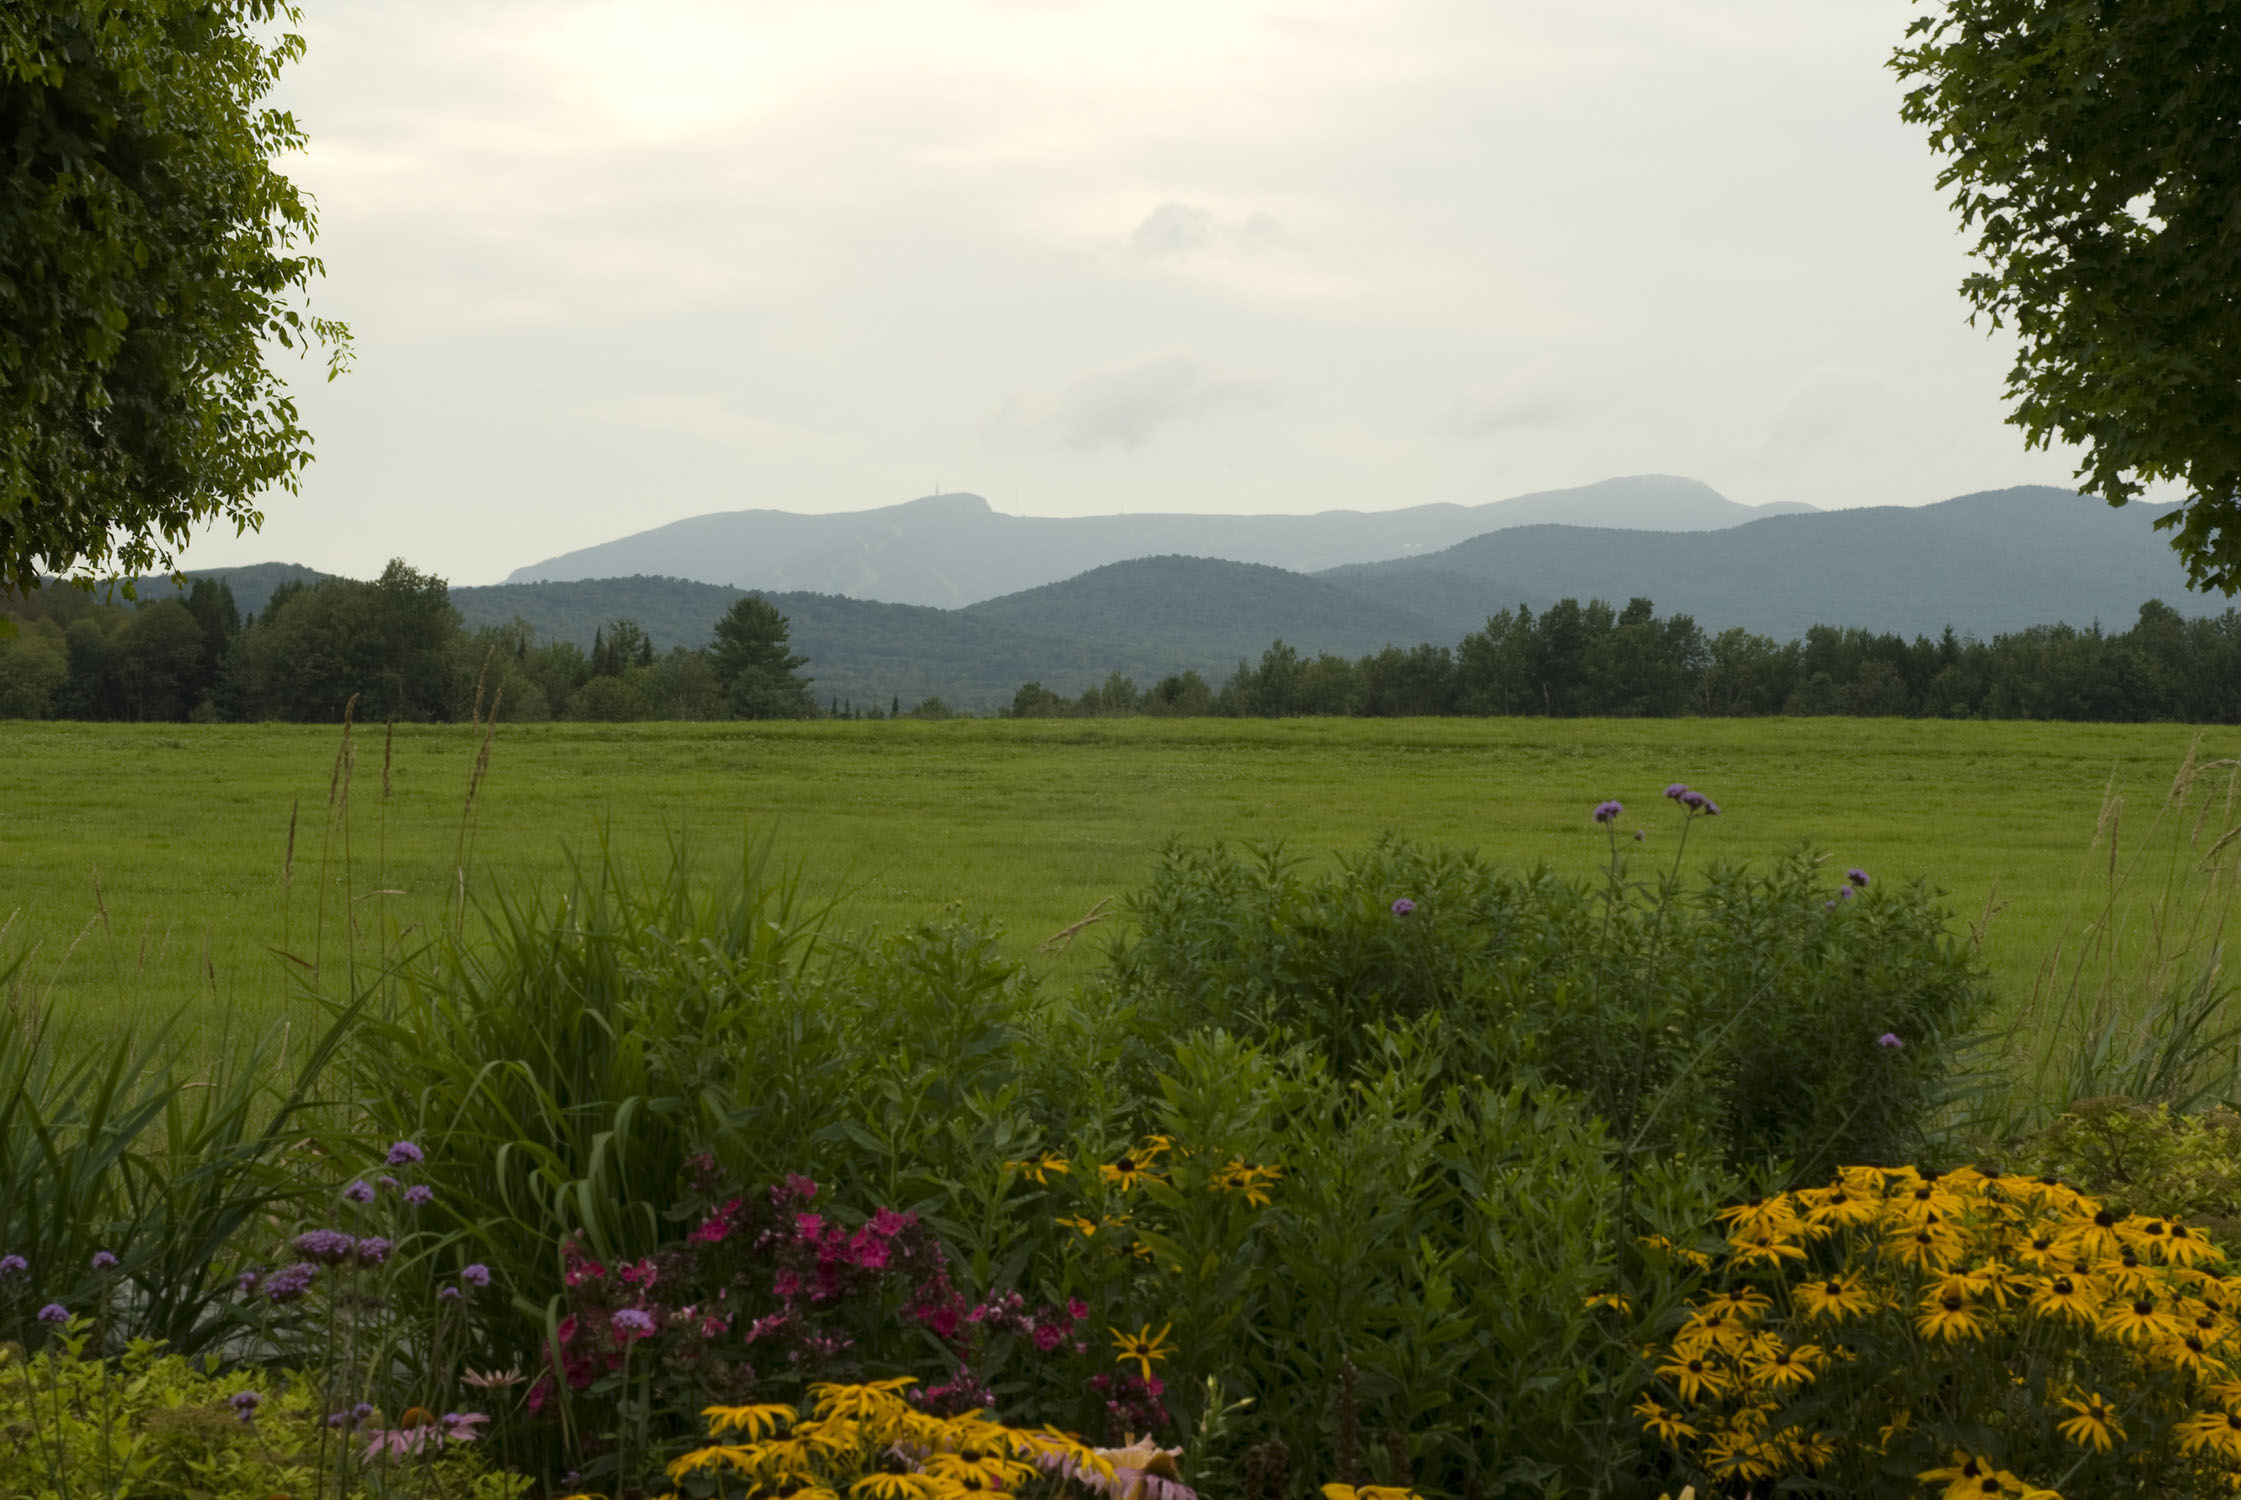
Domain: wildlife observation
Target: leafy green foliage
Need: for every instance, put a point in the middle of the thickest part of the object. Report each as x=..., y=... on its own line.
x=152, y=250
x=1745, y=1014
x=2092, y=152
x=154, y=1425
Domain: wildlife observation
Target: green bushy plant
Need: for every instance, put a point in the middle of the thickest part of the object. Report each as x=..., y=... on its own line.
x=1781, y=1014
x=2142, y=1158
x=149, y=1424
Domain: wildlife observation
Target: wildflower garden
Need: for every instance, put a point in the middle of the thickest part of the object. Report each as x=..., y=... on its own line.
x=1420, y=1174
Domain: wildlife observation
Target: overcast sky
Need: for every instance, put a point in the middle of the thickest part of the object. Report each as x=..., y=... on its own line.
x=612, y=264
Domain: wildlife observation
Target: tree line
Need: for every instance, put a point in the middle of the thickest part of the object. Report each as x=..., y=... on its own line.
x=397, y=645
x=1592, y=659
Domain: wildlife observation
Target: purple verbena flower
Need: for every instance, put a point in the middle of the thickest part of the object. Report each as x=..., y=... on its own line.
x=290, y=1282
x=1856, y=876
x=54, y=1312
x=630, y=1323
x=386, y=1183
x=447, y=1294
x=404, y=1154
x=360, y=1191
x=247, y=1282
x=13, y=1265
x=420, y=1195
x=245, y=1404
x=1403, y=907
x=477, y=1274
x=1889, y=1041
x=1677, y=790
x=1607, y=811
x=329, y=1247
x=373, y=1250
x=103, y=1261
x=1844, y=893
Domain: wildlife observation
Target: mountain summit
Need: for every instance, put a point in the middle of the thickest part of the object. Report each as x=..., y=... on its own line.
x=954, y=550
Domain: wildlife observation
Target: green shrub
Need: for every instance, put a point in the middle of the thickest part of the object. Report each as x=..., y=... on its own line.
x=1748, y=1011
x=153, y=1425
x=2142, y=1158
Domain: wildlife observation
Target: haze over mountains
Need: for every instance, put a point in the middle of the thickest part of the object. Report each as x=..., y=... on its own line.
x=953, y=550
x=1986, y=563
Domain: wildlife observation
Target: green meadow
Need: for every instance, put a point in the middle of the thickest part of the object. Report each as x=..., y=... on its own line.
x=147, y=868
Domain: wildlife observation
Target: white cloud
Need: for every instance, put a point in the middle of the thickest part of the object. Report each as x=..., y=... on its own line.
x=1126, y=406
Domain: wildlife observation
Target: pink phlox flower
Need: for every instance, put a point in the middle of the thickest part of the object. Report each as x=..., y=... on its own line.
x=764, y=1327
x=870, y=1250
x=711, y=1325
x=540, y=1394
x=1049, y=1336
x=807, y=1227
x=642, y=1274
x=786, y=1285
x=565, y=1332
x=888, y=1223
x=1076, y=1308
x=796, y=1188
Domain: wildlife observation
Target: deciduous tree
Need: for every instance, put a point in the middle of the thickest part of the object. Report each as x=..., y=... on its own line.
x=149, y=257
x=2093, y=149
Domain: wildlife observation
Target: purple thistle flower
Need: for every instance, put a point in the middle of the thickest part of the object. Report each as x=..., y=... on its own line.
x=54, y=1312
x=1856, y=876
x=245, y=1404
x=103, y=1261
x=360, y=1191
x=290, y=1282
x=404, y=1154
x=1889, y=1041
x=477, y=1274
x=1677, y=790
x=1403, y=906
x=13, y=1265
x=373, y=1250
x=329, y=1247
x=629, y=1322
x=1607, y=811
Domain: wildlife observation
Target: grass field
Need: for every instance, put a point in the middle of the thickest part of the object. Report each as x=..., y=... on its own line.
x=144, y=865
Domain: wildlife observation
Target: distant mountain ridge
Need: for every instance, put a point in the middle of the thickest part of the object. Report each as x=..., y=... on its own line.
x=954, y=550
x=1986, y=563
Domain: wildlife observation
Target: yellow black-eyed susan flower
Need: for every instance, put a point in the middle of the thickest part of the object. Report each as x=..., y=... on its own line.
x=1781, y=1367
x=1835, y=1298
x=2139, y=1320
x=1946, y=1314
x=2093, y=1425
x=1142, y=1346
x=1694, y=1377
x=2076, y=1299
x=1662, y=1423
x=2215, y=1432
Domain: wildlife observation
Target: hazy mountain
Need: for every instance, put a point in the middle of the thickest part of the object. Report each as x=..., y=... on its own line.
x=953, y=550
x=253, y=584
x=1984, y=563
x=1145, y=618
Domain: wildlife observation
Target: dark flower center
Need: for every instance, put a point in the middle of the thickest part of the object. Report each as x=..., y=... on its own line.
x=1835, y=1288
x=2064, y=1286
x=1951, y=1301
x=2104, y=1218
x=1125, y=1164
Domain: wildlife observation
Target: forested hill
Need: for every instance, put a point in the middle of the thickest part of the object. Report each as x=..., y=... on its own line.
x=1984, y=563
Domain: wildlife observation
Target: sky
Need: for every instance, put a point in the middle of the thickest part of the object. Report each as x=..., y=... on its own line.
x=612, y=264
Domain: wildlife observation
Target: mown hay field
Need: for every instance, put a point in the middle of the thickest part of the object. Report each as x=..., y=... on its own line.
x=146, y=867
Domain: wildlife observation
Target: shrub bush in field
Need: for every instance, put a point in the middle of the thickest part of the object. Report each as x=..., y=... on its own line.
x=1998, y=1335
x=2143, y=1157
x=1776, y=1014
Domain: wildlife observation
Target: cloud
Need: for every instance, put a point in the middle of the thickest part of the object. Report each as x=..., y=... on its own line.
x=1173, y=229
x=1125, y=406
x=1533, y=398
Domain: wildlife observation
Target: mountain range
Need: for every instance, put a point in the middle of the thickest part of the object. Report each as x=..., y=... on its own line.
x=1984, y=563
x=953, y=550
